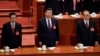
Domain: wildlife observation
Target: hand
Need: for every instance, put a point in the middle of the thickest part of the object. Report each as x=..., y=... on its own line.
x=56, y=42
x=80, y=13
x=58, y=0
x=66, y=13
x=19, y=47
x=40, y=43
x=54, y=27
x=17, y=33
x=96, y=43
x=63, y=0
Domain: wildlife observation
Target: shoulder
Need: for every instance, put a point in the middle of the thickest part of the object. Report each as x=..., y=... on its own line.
x=92, y=21
x=18, y=24
x=81, y=21
x=42, y=19
x=53, y=19
x=5, y=24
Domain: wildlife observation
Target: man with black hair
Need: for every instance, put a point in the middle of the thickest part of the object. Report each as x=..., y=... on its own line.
x=48, y=30
x=12, y=33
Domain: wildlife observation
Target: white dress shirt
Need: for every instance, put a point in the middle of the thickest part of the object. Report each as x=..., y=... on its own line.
x=12, y=26
x=86, y=22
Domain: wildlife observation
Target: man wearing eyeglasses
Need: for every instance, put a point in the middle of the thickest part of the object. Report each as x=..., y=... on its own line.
x=86, y=31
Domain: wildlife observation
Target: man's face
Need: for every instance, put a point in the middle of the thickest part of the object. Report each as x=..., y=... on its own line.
x=86, y=15
x=13, y=18
x=48, y=13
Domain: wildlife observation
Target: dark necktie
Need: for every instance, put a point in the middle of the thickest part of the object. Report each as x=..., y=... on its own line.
x=13, y=27
x=49, y=26
x=87, y=25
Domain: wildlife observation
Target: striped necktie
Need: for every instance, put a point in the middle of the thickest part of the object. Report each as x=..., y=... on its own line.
x=49, y=26
x=13, y=27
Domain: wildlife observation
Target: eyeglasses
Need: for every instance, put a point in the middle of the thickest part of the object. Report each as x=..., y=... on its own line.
x=86, y=15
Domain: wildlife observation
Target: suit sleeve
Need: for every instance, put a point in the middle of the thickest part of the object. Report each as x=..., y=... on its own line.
x=39, y=31
x=78, y=33
x=95, y=32
x=20, y=35
x=3, y=36
x=57, y=31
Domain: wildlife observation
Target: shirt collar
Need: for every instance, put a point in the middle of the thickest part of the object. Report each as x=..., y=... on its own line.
x=86, y=21
x=12, y=23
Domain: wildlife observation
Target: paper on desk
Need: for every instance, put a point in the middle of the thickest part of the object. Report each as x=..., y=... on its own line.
x=1, y=50
x=81, y=48
x=58, y=16
x=76, y=15
x=12, y=50
x=51, y=48
x=93, y=14
x=39, y=48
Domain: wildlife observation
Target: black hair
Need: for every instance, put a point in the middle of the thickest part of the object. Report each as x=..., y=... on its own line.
x=48, y=9
x=12, y=13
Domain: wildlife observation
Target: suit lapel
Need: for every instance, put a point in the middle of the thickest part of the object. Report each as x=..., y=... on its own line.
x=83, y=24
x=52, y=21
x=45, y=23
x=15, y=27
x=10, y=29
x=90, y=24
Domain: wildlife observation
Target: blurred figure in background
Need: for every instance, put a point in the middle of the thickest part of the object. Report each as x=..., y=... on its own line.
x=90, y=5
x=56, y=6
x=73, y=6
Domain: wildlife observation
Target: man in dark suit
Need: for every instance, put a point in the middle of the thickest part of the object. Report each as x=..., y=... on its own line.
x=12, y=33
x=56, y=6
x=48, y=30
x=86, y=31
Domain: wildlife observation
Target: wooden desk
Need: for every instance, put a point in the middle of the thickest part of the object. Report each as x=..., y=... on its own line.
x=59, y=51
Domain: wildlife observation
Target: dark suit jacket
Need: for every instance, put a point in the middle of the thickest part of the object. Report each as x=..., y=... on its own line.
x=9, y=38
x=46, y=36
x=85, y=35
x=55, y=5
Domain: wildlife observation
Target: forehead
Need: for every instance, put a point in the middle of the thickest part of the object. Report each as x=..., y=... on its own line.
x=48, y=10
x=13, y=15
x=85, y=12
